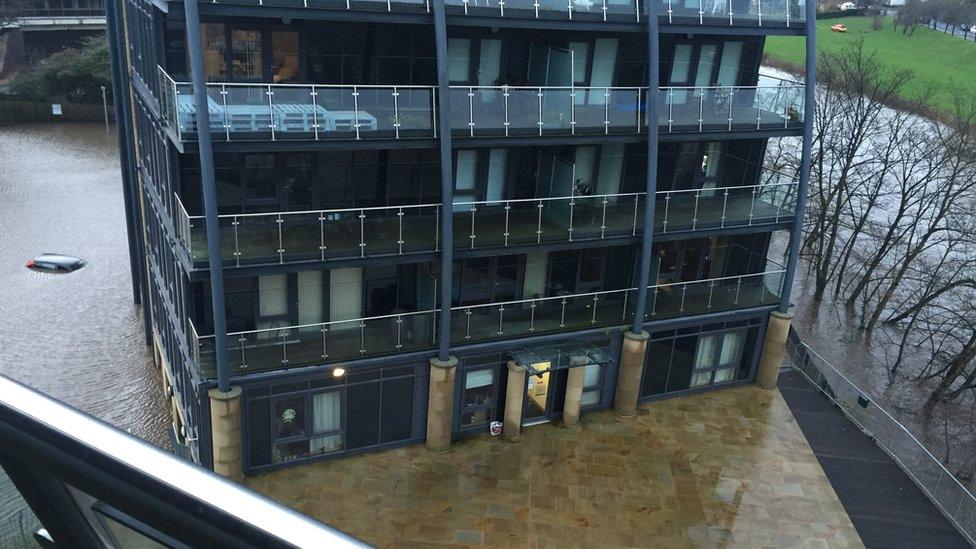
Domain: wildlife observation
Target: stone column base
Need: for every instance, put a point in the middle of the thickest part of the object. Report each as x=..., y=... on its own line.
x=630, y=373
x=574, y=395
x=774, y=349
x=440, y=404
x=514, y=398
x=225, y=425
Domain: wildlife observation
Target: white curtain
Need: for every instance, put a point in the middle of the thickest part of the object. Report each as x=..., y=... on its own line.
x=706, y=60
x=682, y=63
x=465, y=188
x=731, y=349
x=272, y=304
x=705, y=355
x=346, y=296
x=591, y=375
x=497, y=160
x=479, y=378
x=326, y=417
x=536, y=267
x=310, y=297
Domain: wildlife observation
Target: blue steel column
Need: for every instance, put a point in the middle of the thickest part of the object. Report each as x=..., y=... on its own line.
x=119, y=89
x=809, y=98
x=194, y=49
x=447, y=181
x=650, y=106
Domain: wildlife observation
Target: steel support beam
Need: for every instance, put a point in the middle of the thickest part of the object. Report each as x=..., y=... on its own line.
x=447, y=180
x=809, y=100
x=194, y=50
x=647, y=241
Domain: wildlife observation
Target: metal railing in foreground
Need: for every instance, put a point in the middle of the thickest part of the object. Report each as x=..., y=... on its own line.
x=92, y=485
x=942, y=487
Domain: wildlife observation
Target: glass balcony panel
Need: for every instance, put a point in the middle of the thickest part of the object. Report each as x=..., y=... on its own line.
x=476, y=323
x=460, y=116
x=578, y=313
x=380, y=336
x=625, y=215
x=420, y=229
x=684, y=11
x=619, y=10
x=266, y=349
x=488, y=111
x=341, y=232
x=418, y=331
x=485, y=221
x=547, y=315
x=300, y=236
x=343, y=340
x=416, y=112
x=685, y=108
x=715, y=108
x=247, y=112
x=295, y=114
x=529, y=220
x=624, y=111
x=588, y=216
x=376, y=116
x=198, y=240
x=304, y=345
x=517, y=320
x=381, y=232
x=255, y=239
x=611, y=308
x=557, y=111
x=205, y=357
x=745, y=115
x=523, y=111
x=339, y=107
x=591, y=110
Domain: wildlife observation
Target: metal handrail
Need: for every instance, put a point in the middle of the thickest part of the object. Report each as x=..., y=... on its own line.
x=966, y=506
x=498, y=304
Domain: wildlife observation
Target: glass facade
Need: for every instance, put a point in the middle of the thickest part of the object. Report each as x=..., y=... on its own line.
x=337, y=412
x=698, y=356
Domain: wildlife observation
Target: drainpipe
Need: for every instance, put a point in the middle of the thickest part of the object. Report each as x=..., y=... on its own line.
x=447, y=181
x=119, y=90
x=809, y=99
x=650, y=109
x=195, y=51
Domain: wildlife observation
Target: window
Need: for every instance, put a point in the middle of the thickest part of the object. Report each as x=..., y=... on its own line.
x=212, y=36
x=592, y=385
x=284, y=47
x=326, y=423
x=458, y=59
x=717, y=357
x=245, y=46
x=478, y=400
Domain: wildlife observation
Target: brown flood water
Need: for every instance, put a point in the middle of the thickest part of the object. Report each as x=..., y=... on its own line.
x=77, y=337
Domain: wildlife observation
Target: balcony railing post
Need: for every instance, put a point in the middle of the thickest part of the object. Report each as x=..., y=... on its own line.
x=315, y=112
x=670, y=95
x=603, y=219
x=725, y=206
x=684, y=292
x=606, y=111
x=396, y=112
x=399, y=324
x=355, y=108
x=532, y=317
x=639, y=121
x=501, y=319
x=711, y=290
x=223, y=98
x=242, y=340
x=759, y=7
x=281, y=245
x=731, y=108
x=400, y=230
x=572, y=107
x=701, y=108
x=325, y=348
x=633, y=231
x=738, y=288
x=670, y=12
x=471, y=111
x=437, y=224
x=508, y=208
x=569, y=8
x=572, y=206
x=505, y=94
x=752, y=206
x=283, y=336
x=540, y=111
x=596, y=299
x=271, y=119
x=538, y=230
x=562, y=314
x=667, y=211
x=701, y=12
x=467, y=326
x=472, y=235
x=237, y=241
x=362, y=233
x=322, y=235
x=604, y=10
x=362, y=337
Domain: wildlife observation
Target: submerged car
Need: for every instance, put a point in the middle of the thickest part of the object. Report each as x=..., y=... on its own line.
x=56, y=263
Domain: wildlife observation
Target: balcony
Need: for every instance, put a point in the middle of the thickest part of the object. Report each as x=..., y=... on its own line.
x=755, y=13
x=282, y=112
x=338, y=341
x=284, y=237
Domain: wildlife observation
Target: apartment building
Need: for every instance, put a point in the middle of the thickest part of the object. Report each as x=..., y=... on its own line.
x=591, y=173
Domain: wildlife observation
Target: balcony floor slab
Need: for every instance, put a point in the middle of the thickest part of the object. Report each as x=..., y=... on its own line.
x=723, y=467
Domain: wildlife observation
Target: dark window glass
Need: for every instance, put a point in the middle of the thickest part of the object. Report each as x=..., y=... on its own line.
x=682, y=361
x=397, y=413
x=259, y=432
x=289, y=451
x=362, y=415
x=658, y=364
x=289, y=417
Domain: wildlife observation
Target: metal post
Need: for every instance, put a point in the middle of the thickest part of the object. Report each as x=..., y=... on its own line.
x=647, y=242
x=796, y=235
x=447, y=181
x=195, y=52
x=105, y=108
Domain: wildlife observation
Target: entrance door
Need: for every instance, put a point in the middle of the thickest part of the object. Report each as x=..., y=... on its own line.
x=539, y=396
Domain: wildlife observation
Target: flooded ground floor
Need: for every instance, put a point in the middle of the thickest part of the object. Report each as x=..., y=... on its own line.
x=723, y=467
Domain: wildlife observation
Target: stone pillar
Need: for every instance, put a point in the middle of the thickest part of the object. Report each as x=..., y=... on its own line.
x=774, y=349
x=225, y=426
x=440, y=404
x=630, y=372
x=514, y=398
x=574, y=395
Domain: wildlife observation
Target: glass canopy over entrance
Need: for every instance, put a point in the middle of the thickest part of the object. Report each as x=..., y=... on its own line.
x=546, y=367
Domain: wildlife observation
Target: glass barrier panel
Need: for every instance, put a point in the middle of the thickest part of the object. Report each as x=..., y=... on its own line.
x=528, y=221
x=420, y=230
x=487, y=222
x=338, y=107
x=295, y=115
x=685, y=108
x=415, y=111
x=343, y=340
x=377, y=113
x=418, y=331
x=716, y=103
x=381, y=231
x=477, y=323
x=557, y=111
x=591, y=110
x=523, y=111
x=517, y=320
x=304, y=345
x=380, y=336
x=611, y=308
x=247, y=113
x=300, y=236
x=257, y=239
x=619, y=10
x=341, y=233
x=487, y=111
x=588, y=214
x=205, y=356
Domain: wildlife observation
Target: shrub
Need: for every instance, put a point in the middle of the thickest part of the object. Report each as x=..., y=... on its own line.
x=74, y=75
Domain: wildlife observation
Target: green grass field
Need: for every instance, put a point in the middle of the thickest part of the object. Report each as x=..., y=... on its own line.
x=934, y=57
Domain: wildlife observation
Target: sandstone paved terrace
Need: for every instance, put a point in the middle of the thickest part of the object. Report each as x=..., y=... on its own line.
x=726, y=467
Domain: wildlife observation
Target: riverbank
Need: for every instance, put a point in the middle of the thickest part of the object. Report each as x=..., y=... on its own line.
x=936, y=60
